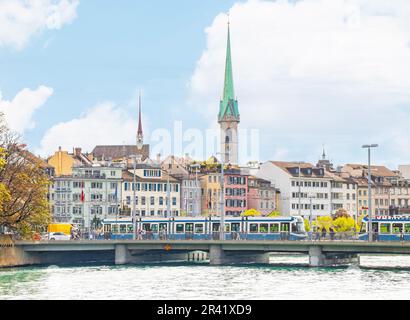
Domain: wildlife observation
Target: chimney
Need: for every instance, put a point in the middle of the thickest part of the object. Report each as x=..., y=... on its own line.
x=77, y=152
x=59, y=149
x=159, y=158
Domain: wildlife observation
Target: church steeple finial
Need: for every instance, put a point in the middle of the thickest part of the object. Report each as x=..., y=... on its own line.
x=140, y=134
x=324, y=153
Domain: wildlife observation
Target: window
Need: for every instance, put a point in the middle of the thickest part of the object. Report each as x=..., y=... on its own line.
x=385, y=227
x=284, y=227
x=235, y=227
x=273, y=227
x=264, y=228
x=189, y=227
x=407, y=228
x=253, y=228
x=96, y=185
x=397, y=228
x=180, y=228
x=154, y=227
x=174, y=201
x=152, y=201
x=199, y=228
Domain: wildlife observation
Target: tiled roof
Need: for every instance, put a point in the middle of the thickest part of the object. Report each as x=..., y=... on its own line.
x=128, y=176
x=120, y=151
x=377, y=171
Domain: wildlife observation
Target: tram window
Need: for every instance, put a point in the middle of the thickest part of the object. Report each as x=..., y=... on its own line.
x=107, y=228
x=130, y=227
x=162, y=227
x=253, y=228
x=146, y=227
x=264, y=228
x=407, y=228
x=123, y=228
x=199, y=228
x=227, y=227
x=284, y=227
x=274, y=228
x=115, y=228
x=215, y=227
x=189, y=227
x=180, y=228
x=363, y=227
x=154, y=227
x=235, y=227
x=375, y=227
x=385, y=227
x=397, y=227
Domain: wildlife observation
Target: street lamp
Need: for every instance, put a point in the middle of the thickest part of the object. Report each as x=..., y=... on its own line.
x=222, y=224
x=299, y=189
x=369, y=181
x=134, y=222
x=196, y=166
x=311, y=196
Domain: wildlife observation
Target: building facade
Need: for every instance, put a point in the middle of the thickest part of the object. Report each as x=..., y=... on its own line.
x=307, y=190
x=262, y=196
x=236, y=193
x=156, y=192
x=90, y=193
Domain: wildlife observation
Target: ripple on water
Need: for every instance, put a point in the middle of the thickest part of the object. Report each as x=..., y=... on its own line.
x=209, y=282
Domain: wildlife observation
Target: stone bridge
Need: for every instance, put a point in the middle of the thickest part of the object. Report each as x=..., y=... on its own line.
x=321, y=253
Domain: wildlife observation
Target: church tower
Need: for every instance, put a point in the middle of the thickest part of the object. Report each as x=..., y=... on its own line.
x=228, y=117
x=140, y=135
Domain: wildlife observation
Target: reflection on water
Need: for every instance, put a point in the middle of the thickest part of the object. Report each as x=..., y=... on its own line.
x=200, y=281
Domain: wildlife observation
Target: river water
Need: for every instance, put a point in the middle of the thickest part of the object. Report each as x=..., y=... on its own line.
x=378, y=277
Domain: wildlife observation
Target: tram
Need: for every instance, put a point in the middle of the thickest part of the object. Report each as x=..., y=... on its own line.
x=207, y=228
x=387, y=228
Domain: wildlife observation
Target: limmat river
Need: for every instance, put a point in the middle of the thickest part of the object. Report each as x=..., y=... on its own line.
x=378, y=277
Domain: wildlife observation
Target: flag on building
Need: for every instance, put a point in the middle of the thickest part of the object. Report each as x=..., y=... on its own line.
x=82, y=196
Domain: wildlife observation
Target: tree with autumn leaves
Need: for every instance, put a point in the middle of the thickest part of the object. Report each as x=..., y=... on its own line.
x=24, y=207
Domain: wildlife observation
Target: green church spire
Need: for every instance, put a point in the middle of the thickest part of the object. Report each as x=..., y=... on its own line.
x=228, y=109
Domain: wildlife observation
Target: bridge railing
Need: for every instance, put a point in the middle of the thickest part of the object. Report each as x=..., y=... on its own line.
x=242, y=236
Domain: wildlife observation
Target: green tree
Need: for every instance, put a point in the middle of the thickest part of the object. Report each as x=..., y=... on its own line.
x=274, y=213
x=251, y=213
x=24, y=207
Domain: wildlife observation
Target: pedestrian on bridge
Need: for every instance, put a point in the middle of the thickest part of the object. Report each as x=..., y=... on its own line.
x=332, y=233
x=324, y=233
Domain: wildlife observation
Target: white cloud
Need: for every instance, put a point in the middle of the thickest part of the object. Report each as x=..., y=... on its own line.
x=314, y=71
x=21, y=19
x=104, y=124
x=19, y=111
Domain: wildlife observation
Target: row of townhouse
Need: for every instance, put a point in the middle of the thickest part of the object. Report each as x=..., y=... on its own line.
x=93, y=193
x=308, y=190
x=390, y=189
x=107, y=192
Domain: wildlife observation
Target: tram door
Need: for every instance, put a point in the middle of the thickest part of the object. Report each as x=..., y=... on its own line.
x=215, y=230
x=284, y=230
x=375, y=230
x=163, y=231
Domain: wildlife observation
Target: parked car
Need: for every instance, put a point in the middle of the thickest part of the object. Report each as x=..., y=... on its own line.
x=58, y=236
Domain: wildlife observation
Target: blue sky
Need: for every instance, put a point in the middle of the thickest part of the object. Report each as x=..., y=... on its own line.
x=306, y=74
x=108, y=53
